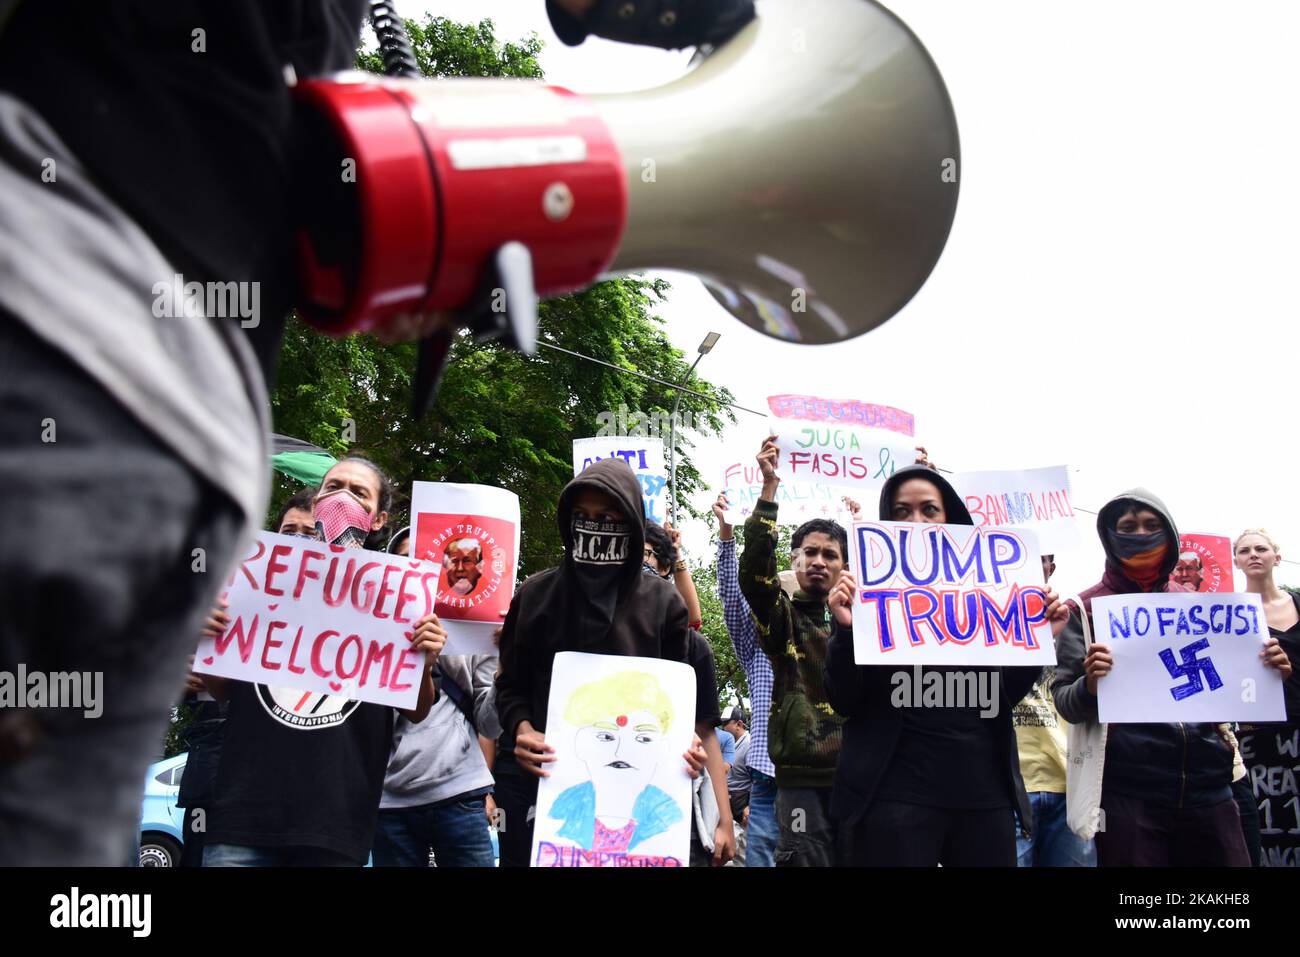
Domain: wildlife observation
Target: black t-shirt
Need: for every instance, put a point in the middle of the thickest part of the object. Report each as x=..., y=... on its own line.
x=300, y=769
x=180, y=111
x=1290, y=642
x=948, y=757
x=700, y=658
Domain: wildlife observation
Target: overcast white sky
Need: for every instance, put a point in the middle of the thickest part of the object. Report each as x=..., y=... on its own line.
x=1126, y=235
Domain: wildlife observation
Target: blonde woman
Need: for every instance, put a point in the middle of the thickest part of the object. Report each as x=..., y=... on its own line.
x=1256, y=555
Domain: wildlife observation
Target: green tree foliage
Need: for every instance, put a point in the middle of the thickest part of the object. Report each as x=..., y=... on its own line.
x=500, y=418
x=446, y=48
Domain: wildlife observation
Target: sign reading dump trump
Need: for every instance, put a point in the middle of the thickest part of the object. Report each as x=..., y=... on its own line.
x=947, y=595
x=304, y=614
x=1185, y=657
x=618, y=794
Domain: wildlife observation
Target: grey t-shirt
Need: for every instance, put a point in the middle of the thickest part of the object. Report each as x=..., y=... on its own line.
x=738, y=778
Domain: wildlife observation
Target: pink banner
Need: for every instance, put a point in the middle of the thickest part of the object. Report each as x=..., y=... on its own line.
x=851, y=412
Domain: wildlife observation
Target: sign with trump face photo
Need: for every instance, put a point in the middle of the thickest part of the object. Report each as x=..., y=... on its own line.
x=472, y=532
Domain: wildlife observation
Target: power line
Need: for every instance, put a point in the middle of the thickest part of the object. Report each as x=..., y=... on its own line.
x=650, y=378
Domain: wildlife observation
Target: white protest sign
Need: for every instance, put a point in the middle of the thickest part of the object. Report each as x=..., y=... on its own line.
x=1037, y=498
x=644, y=455
x=839, y=456
x=948, y=595
x=472, y=532
x=324, y=618
x=618, y=794
x=797, y=501
x=1185, y=657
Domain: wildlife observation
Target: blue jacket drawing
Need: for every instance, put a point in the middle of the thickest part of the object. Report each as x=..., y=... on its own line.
x=654, y=811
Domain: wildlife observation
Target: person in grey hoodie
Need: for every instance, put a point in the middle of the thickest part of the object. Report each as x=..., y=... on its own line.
x=1166, y=788
x=438, y=781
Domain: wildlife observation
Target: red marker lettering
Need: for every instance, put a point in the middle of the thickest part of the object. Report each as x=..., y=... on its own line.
x=274, y=567
x=316, y=646
x=384, y=591
x=272, y=643
x=403, y=597
x=404, y=661
x=304, y=573
x=293, y=653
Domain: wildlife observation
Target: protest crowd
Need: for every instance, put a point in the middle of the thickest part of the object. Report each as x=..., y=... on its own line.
x=823, y=764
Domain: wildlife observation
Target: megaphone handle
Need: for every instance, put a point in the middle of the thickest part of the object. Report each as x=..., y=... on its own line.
x=429, y=364
x=504, y=307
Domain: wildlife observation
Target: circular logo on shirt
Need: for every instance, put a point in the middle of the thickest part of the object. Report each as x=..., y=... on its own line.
x=305, y=710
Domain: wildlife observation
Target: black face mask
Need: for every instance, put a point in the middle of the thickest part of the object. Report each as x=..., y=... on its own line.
x=1126, y=546
x=599, y=558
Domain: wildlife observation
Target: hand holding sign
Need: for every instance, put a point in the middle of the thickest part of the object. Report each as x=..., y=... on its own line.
x=429, y=638
x=1097, y=665
x=769, y=456
x=1274, y=656
x=841, y=599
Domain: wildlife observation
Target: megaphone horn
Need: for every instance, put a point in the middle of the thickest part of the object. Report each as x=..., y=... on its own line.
x=805, y=170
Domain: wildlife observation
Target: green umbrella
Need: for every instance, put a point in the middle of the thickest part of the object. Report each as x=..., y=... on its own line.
x=300, y=460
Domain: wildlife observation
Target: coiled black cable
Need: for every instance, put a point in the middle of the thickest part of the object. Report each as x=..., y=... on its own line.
x=394, y=45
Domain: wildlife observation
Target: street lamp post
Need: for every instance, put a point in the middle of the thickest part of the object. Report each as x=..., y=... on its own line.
x=705, y=348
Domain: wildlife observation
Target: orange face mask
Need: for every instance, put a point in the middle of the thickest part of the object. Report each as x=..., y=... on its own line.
x=1140, y=556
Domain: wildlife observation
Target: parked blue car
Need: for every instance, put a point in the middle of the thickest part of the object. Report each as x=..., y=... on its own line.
x=161, y=821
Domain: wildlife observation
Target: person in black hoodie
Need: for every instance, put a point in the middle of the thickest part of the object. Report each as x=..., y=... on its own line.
x=919, y=786
x=1166, y=794
x=597, y=600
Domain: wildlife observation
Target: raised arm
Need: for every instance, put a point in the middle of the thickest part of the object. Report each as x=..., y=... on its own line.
x=758, y=577
x=735, y=610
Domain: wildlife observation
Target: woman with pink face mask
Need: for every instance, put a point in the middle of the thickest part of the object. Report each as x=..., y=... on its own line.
x=352, y=505
x=301, y=772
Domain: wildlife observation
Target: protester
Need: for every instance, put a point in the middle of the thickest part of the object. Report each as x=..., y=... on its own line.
x=664, y=557
x=739, y=777
x=1166, y=792
x=444, y=819
x=713, y=835
x=1045, y=840
x=295, y=792
x=1256, y=555
x=400, y=543
x=597, y=600
x=761, y=831
x=206, y=730
x=792, y=633
x=438, y=780
x=917, y=785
